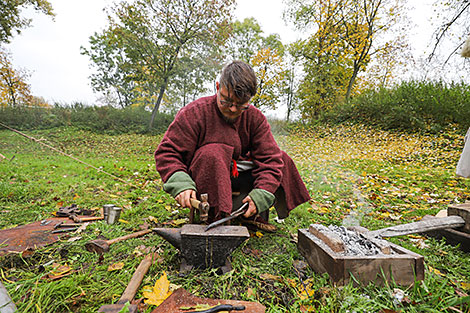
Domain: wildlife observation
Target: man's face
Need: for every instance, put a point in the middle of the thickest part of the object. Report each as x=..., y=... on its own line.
x=229, y=105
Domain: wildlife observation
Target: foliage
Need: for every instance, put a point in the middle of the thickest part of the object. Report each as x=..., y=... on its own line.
x=414, y=106
x=147, y=40
x=106, y=119
x=14, y=91
x=347, y=35
x=268, y=66
x=10, y=19
x=264, y=54
x=387, y=178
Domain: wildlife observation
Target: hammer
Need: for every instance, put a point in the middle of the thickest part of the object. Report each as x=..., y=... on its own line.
x=202, y=206
x=101, y=246
x=131, y=288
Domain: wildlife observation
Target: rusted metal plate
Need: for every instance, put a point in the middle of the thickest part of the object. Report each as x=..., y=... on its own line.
x=182, y=298
x=30, y=236
x=404, y=266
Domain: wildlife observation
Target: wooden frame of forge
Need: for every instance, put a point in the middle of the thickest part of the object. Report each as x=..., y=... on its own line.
x=405, y=267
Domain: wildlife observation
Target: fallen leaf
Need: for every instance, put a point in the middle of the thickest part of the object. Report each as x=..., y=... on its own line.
x=116, y=266
x=267, y=276
x=259, y=234
x=179, y=221
x=159, y=292
x=74, y=239
x=152, y=219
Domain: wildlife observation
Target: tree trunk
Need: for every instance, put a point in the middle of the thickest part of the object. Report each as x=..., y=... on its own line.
x=159, y=100
x=351, y=81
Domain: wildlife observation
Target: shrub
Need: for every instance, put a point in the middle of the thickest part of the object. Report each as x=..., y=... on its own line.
x=413, y=106
x=105, y=119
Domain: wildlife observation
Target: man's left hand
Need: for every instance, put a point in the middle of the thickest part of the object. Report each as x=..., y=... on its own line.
x=252, y=210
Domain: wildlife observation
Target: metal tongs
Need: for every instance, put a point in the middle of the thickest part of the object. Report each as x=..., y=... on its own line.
x=232, y=215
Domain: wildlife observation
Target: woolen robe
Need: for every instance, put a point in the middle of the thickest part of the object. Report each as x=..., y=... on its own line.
x=201, y=143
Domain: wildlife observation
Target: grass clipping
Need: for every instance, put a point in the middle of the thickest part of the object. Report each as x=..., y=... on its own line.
x=156, y=294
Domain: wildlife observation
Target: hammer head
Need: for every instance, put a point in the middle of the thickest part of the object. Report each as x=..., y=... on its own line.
x=98, y=246
x=116, y=308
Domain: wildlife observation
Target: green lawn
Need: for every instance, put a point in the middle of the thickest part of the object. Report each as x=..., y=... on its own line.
x=382, y=178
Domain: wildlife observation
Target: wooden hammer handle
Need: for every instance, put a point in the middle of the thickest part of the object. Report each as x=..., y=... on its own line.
x=133, y=235
x=137, y=278
x=195, y=203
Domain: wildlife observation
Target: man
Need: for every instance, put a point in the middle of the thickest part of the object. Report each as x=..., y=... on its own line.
x=221, y=145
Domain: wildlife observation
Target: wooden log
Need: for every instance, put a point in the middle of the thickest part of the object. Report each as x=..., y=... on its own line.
x=419, y=227
x=330, y=238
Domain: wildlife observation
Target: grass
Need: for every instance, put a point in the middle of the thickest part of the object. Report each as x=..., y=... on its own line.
x=384, y=178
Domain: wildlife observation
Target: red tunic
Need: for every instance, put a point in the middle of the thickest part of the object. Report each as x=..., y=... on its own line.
x=200, y=125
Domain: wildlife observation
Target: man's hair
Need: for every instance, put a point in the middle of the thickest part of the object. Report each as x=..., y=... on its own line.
x=239, y=79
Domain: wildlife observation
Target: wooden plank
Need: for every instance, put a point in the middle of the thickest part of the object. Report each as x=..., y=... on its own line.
x=419, y=227
x=320, y=257
x=332, y=239
x=401, y=269
x=462, y=210
x=453, y=237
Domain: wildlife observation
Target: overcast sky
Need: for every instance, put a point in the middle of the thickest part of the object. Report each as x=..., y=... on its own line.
x=50, y=50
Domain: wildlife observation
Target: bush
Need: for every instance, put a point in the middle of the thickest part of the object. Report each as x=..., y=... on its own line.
x=105, y=119
x=413, y=106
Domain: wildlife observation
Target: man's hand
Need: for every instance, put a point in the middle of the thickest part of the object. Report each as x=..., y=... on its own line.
x=184, y=198
x=252, y=210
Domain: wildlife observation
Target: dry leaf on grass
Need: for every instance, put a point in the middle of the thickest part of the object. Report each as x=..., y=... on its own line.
x=116, y=266
x=159, y=292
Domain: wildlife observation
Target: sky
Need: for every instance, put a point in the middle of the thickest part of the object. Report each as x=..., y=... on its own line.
x=50, y=49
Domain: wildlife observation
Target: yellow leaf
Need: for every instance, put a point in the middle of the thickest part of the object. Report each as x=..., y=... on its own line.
x=152, y=219
x=159, y=292
x=464, y=285
x=58, y=269
x=259, y=234
x=179, y=221
x=75, y=197
x=267, y=276
x=436, y=271
x=116, y=266
x=123, y=221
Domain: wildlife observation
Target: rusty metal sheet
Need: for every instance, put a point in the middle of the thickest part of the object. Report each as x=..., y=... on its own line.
x=182, y=298
x=30, y=236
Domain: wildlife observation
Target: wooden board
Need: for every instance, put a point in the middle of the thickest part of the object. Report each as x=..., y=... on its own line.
x=462, y=210
x=453, y=237
x=404, y=266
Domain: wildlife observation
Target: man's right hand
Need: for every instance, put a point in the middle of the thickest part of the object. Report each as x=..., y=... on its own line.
x=184, y=198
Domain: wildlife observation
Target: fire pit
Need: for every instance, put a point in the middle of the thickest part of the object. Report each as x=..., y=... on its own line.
x=354, y=258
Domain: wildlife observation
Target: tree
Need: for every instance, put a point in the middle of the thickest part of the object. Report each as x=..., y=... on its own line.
x=268, y=66
x=245, y=40
x=153, y=35
x=10, y=19
x=264, y=54
x=14, y=90
x=454, y=26
x=346, y=38
x=112, y=77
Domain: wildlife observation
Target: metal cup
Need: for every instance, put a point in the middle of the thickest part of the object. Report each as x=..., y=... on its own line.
x=114, y=214
x=106, y=209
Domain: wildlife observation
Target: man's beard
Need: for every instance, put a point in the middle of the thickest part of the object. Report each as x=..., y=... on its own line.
x=229, y=120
